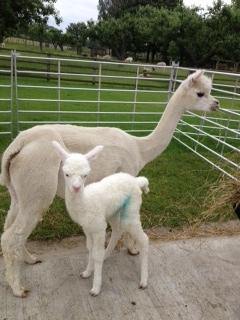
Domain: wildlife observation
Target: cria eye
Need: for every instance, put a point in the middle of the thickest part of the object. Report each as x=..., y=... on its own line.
x=85, y=176
x=67, y=175
x=200, y=94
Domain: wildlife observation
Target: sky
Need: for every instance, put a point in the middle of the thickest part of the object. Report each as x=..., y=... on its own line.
x=84, y=10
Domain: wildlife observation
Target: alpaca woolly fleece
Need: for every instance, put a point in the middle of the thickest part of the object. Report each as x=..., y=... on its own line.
x=115, y=199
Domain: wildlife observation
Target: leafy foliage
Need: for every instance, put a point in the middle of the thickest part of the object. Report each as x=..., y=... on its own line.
x=77, y=35
x=18, y=15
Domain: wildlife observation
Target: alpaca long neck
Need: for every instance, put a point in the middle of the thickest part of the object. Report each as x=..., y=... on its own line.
x=155, y=143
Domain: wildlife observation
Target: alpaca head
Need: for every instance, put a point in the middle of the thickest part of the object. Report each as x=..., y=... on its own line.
x=76, y=166
x=196, y=93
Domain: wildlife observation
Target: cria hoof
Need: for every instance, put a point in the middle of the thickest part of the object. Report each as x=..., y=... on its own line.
x=94, y=293
x=33, y=260
x=142, y=286
x=133, y=252
x=85, y=275
x=23, y=293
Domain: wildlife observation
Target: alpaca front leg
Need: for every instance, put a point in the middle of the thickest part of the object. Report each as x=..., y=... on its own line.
x=98, y=258
x=90, y=266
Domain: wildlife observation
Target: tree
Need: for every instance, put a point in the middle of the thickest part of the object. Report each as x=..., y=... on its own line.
x=39, y=32
x=223, y=22
x=15, y=15
x=116, y=8
x=57, y=37
x=77, y=34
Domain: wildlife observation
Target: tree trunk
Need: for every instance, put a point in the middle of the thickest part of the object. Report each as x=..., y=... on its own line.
x=153, y=54
x=148, y=53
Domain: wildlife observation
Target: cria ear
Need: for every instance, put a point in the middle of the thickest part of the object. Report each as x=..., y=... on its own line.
x=60, y=150
x=93, y=153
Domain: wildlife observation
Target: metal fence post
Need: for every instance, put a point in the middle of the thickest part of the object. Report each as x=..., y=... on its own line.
x=12, y=96
x=59, y=90
x=135, y=98
x=173, y=78
x=99, y=92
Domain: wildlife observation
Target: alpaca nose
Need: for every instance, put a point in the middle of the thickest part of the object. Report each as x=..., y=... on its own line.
x=215, y=105
x=76, y=189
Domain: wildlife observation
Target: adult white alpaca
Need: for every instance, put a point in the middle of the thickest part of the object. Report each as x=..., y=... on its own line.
x=31, y=169
x=115, y=199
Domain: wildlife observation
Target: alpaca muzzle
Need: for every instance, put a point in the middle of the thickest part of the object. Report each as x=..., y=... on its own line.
x=215, y=105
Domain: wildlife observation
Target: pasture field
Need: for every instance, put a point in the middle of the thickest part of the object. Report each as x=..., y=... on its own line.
x=179, y=179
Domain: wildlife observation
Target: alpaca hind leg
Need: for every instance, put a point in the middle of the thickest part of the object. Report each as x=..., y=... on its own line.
x=13, y=210
x=142, y=242
x=30, y=258
x=115, y=235
x=12, y=242
x=34, y=185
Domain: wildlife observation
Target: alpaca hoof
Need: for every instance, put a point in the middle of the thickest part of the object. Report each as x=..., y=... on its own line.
x=143, y=286
x=85, y=274
x=38, y=261
x=33, y=260
x=94, y=292
x=21, y=293
x=133, y=252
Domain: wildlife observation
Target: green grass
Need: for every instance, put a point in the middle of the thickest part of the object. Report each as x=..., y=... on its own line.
x=179, y=180
x=179, y=184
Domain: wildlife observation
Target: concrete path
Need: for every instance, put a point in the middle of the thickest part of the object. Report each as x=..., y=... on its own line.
x=196, y=279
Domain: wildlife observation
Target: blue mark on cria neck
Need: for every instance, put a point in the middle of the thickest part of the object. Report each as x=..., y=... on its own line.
x=124, y=208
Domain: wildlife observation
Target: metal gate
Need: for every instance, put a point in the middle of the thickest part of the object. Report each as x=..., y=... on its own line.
x=130, y=96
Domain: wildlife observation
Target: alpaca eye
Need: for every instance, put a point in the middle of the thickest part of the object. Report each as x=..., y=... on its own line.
x=200, y=94
x=67, y=175
x=85, y=176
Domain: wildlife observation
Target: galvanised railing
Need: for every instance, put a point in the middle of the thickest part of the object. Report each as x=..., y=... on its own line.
x=130, y=96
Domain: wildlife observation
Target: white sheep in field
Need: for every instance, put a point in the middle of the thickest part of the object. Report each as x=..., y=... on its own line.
x=107, y=57
x=129, y=59
x=161, y=64
x=115, y=199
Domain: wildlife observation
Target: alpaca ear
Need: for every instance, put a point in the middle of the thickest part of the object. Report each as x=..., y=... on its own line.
x=196, y=75
x=94, y=152
x=192, y=78
x=62, y=152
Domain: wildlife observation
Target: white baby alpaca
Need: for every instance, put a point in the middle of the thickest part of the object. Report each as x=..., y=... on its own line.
x=115, y=199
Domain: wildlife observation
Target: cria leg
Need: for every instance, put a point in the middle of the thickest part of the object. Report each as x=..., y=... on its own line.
x=98, y=258
x=115, y=235
x=90, y=267
x=142, y=241
x=131, y=245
